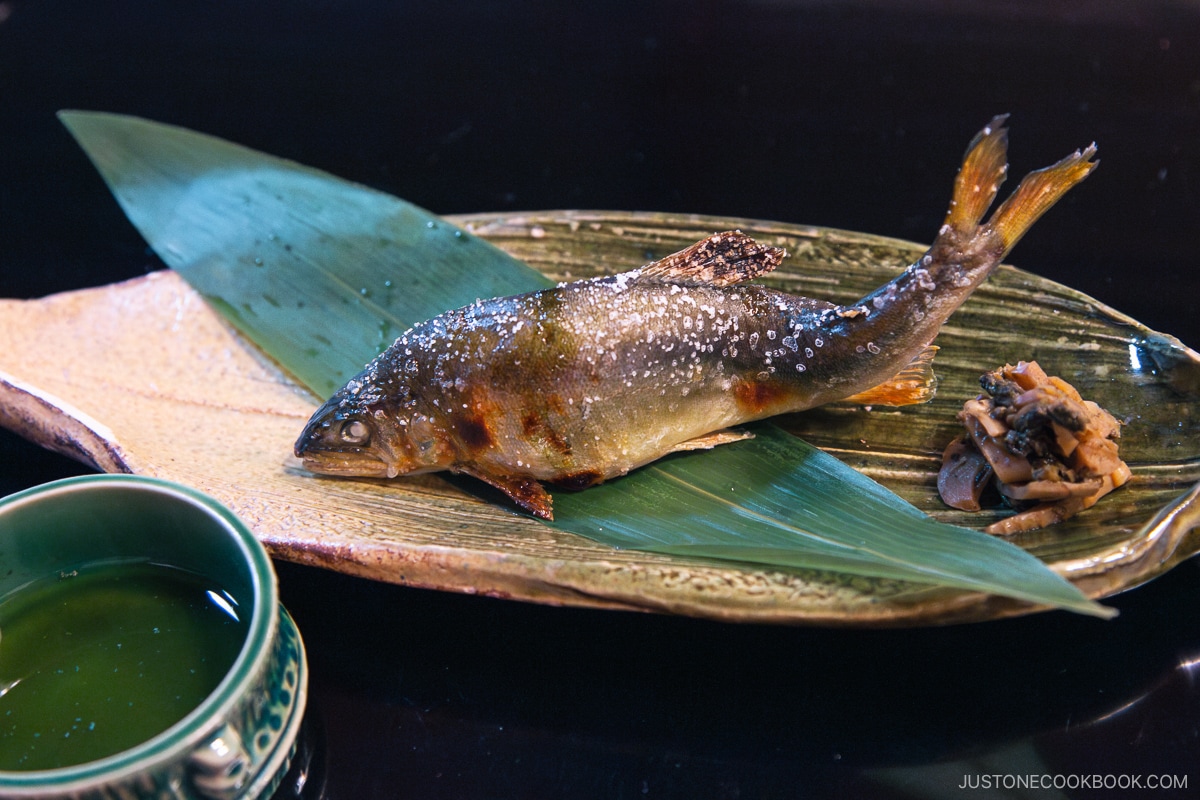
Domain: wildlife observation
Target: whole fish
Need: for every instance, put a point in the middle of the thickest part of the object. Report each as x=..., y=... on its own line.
x=586, y=381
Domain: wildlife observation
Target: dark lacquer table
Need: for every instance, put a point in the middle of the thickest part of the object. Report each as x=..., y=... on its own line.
x=848, y=115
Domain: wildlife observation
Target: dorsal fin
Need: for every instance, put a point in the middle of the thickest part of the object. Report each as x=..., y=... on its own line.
x=722, y=259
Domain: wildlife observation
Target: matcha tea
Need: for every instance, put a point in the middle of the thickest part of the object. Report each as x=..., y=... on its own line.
x=100, y=659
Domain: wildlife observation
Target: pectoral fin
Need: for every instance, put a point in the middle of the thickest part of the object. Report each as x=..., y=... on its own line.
x=710, y=440
x=524, y=491
x=916, y=383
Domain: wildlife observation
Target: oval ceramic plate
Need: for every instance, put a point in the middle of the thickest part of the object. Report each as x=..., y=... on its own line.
x=144, y=377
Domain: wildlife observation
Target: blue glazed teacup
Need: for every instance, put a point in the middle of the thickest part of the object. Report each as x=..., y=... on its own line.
x=237, y=740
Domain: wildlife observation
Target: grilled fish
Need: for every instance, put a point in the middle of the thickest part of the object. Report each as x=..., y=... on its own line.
x=586, y=381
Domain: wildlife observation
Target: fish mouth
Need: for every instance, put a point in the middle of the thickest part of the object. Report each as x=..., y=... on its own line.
x=317, y=456
x=358, y=465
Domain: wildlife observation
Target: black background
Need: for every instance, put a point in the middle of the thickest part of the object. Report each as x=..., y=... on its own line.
x=850, y=115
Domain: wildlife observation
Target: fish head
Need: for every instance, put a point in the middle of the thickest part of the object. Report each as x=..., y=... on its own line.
x=366, y=437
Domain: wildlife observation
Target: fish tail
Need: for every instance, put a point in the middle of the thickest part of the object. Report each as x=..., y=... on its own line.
x=905, y=314
x=1037, y=192
x=979, y=178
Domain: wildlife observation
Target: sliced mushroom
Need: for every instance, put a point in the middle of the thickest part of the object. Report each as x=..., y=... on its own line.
x=1037, y=439
x=964, y=475
x=1009, y=467
x=1049, y=490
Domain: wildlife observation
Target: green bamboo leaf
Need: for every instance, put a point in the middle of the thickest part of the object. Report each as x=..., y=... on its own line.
x=322, y=274
x=755, y=501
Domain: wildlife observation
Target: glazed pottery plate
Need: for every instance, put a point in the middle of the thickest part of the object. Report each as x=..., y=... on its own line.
x=144, y=377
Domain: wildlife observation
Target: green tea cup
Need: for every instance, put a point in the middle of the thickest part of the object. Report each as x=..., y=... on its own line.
x=143, y=649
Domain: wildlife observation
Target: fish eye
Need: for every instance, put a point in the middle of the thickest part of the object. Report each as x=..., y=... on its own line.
x=355, y=432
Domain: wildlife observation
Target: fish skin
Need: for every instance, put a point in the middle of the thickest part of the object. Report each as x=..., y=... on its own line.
x=588, y=380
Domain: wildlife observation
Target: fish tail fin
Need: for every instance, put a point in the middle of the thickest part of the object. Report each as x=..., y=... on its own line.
x=978, y=181
x=1037, y=192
